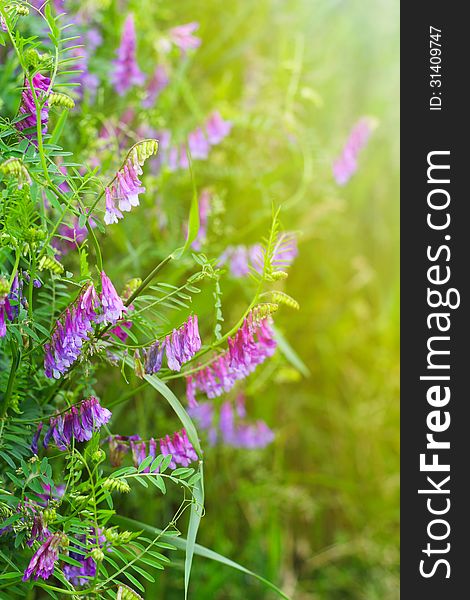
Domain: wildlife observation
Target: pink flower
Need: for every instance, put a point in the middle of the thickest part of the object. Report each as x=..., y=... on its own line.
x=156, y=85
x=126, y=70
x=182, y=37
x=216, y=128
x=345, y=165
x=43, y=560
x=41, y=86
x=111, y=303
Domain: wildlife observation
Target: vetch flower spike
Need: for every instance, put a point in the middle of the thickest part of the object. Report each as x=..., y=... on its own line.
x=126, y=186
x=43, y=560
x=40, y=84
x=126, y=70
x=183, y=344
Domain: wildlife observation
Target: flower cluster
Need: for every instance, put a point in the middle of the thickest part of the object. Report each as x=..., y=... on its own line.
x=126, y=70
x=43, y=560
x=76, y=325
x=182, y=344
x=77, y=423
x=126, y=186
x=6, y=309
x=241, y=259
x=178, y=445
x=252, y=344
x=180, y=448
x=40, y=85
x=200, y=141
x=182, y=37
x=345, y=165
x=231, y=428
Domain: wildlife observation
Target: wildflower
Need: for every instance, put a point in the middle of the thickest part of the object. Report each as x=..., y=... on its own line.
x=216, y=128
x=238, y=258
x=252, y=345
x=70, y=333
x=3, y=25
x=139, y=450
x=182, y=37
x=120, y=330
x=231, y=428
x=204, y=212
x=77, y=423
x=40, y=84
x=49, y=494
x=198, y=144
x=111, y=303
x=157, y=84
x=79, y=576
x=241, y=259
x=346, y=164
x=183, y=344
x=39, y=531
x=43, y=560
x=34, y=443
x=153, y=356
x=180, y=448
x=126, y=70
x=126, y=186
x=6, y=309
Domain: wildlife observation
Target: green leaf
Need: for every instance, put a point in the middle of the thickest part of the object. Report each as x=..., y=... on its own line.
x=290, y=353
x=199, y=550
x=197, y=509
x=172, y=400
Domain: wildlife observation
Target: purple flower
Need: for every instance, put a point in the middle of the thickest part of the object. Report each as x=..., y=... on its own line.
x=3, y=25
x=216, y=128
x=242, y=258
x=252, y=345
x=198, y=144
x=204, y=211
x=39, y=531
x=182, y=37
x=124, y=190
x=111, y=303
x=120, y=330
x=34, y=443
x=6, y=312
x=139, y=450
x=126, y=70
x=345, y=165
x=69, y=334
x=79, y=576
x=77, y=423
x=71, y=236
x=232, y=429
x=156, y=85
x=153, y=356
x=41, y=86
x=43, y=560
x=180, y=448
x=183, y=344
